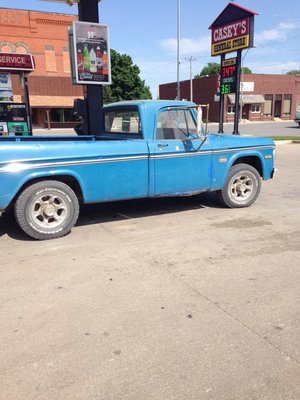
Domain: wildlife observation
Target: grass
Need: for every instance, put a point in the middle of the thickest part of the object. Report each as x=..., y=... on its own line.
x=286, y=138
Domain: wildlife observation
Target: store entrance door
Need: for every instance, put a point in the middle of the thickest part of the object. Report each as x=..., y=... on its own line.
x=277, y=106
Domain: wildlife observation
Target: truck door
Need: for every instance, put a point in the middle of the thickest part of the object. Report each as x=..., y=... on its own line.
x=182, y=161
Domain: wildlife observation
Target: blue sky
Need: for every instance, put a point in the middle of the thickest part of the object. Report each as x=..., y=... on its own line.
x=147, y=31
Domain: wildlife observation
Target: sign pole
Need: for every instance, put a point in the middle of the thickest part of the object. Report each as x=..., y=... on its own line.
x=27, y=101
x=221, y=102
x=237, y=93
x=88, y=12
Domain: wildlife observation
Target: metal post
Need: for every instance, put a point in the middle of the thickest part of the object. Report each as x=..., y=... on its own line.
x=88, y=11
x=178, y=50
x=237, y=93
x=27, y=101
x=221, y=104
x=191, y=59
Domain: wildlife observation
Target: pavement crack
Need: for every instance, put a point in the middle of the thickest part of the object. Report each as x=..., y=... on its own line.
x=277, y=348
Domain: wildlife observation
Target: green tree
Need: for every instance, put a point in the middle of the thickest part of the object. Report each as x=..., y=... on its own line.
x=126, y=81
x=210, y=69
x=213, y=68
x=294, y=72
x=246, y=70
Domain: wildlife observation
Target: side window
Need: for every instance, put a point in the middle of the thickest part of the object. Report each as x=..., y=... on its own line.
x=123, y=121
x=175, y=124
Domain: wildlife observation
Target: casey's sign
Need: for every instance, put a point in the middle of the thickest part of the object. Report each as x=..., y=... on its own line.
x=16, y=61
x=231, y=37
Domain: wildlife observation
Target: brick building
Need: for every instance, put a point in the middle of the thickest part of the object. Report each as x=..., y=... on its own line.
x=45, y=36
x=264, y=97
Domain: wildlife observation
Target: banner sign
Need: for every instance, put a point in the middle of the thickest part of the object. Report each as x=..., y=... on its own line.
x=16, y=62
x=91, y=53
x=6, y=92
x=228, y=76
x=232, y=37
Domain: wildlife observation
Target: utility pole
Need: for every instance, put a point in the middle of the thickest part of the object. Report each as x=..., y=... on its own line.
x=191, y=60
x=178, y=50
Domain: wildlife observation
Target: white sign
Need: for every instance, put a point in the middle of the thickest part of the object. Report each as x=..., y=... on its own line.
x=247, y=86
x=6, y=92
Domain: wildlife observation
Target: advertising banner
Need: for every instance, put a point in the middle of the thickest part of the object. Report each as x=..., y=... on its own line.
x=231, y=37
x=6, y=92
x=91, y=53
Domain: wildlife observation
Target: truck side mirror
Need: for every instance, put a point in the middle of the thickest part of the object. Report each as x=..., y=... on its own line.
x=200, y=126
x=80, y=110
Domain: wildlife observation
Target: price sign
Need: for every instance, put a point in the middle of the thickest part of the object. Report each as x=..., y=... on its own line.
x=228, y=76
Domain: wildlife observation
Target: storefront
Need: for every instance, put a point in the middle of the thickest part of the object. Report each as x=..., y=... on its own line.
x=45, y=36
x=264, y=97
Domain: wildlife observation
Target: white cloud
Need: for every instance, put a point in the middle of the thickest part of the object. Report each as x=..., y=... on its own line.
x=279, y=33
x=275, y=67
x=187, y=45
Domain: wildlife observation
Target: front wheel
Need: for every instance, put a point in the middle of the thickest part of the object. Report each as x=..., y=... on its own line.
x=242, y=186
x=47, y=210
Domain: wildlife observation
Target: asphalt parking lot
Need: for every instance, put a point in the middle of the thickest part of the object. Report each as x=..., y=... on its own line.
x=158, y=299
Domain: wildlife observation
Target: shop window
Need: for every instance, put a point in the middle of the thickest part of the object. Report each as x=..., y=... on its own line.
x=22, y=48
x=268, y=104
x=230, y=109
x=298, y=107
x=62, y=115
x=255, y=108
x=50, y=59
x=66, y=60
x=287, y=104
x=6, y=47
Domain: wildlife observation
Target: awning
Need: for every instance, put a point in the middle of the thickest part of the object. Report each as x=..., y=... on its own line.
x=248, y=98
x=50, y=101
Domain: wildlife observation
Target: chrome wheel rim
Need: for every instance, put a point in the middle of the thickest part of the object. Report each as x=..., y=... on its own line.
x=49, y=211
x=241, y=187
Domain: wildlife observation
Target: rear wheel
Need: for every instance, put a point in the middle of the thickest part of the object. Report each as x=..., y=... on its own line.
x=47, y=210
x=242, y=187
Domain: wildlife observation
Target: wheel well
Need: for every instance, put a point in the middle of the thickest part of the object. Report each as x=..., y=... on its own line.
x=67, y=179
x=254, y=161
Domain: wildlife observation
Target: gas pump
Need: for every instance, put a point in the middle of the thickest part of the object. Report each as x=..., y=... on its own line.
x=13, y=119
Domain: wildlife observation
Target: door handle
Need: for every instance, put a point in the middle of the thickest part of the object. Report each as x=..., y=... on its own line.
x=163, y=145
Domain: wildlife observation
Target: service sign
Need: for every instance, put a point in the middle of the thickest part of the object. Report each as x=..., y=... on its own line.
x=232, y=37
x=91, y=53
x=228, y=76
x=16, y=62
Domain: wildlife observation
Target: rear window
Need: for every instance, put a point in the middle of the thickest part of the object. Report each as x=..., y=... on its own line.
x=123, y=121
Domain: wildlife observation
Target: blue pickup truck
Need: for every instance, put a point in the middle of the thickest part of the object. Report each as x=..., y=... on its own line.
x=147, y=149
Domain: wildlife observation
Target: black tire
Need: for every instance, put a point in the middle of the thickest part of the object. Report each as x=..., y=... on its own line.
x=242, y=186
x=47, y=210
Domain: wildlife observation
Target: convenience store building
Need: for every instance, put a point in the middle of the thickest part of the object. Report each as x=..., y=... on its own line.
x=264, y=97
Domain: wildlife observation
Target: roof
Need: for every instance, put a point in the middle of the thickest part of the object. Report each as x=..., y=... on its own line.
x=248, y=98
x=232, y=12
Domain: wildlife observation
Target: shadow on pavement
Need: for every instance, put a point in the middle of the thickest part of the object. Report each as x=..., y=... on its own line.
x=120, y=210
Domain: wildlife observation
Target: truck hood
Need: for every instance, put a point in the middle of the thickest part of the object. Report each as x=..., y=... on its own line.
x=221, y=141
